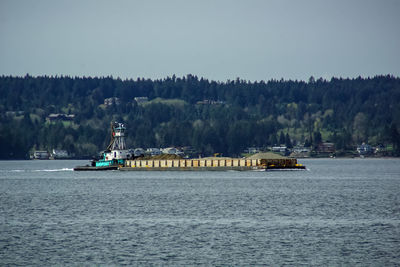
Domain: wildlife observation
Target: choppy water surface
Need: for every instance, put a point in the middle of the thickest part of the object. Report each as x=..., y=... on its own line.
x=339, y=212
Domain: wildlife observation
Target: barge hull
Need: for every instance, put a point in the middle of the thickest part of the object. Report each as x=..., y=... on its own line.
x=191, y=169
x=210, y=168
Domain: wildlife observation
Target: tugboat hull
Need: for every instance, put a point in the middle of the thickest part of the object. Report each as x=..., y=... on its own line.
x=115, y=155
x=95, y=168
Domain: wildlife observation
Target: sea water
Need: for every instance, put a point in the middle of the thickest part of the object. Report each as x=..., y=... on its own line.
x=337, y=212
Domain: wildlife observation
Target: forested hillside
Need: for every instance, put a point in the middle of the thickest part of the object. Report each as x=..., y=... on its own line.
x=211, y=117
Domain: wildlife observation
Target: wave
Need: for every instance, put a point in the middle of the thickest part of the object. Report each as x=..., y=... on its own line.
x=15, y=170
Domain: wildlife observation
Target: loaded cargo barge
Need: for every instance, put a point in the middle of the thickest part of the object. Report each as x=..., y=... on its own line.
x=213, y=164
x=117, y=157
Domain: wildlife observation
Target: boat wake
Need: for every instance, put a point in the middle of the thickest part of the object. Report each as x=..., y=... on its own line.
x=55, y=170
x=42, y=170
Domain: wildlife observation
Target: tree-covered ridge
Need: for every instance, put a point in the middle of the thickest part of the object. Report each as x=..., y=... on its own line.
x=239, y=113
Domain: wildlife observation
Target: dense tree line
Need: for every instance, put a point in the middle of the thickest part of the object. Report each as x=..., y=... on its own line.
x=243, y=114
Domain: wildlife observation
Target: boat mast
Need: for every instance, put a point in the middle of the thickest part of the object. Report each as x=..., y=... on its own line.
x=117, y=137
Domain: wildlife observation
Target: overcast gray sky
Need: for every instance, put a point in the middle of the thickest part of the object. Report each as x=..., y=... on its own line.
x=215, y=39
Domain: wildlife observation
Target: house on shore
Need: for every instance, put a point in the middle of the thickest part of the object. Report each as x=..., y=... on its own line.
x=41, y=154
x=60, y=117
x=112, y=100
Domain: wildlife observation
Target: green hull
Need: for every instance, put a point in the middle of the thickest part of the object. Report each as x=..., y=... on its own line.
x=115, y=162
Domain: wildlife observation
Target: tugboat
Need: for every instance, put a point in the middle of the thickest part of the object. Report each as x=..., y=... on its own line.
x=115, y=154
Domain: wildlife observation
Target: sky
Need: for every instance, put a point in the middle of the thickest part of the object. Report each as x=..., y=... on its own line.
x=215, y=39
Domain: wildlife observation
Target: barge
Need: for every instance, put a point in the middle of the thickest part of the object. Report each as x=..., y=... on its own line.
x=211, y=164
x=117, y=157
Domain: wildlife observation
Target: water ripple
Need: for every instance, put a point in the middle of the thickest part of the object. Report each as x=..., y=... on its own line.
x=62, y=217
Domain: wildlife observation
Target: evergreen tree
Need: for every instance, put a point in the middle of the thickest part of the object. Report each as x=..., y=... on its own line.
x=282, y=139
x=317, y=138
x=288, y=142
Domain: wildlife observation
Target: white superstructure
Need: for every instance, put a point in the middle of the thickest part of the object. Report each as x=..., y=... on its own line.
x=117, y=147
